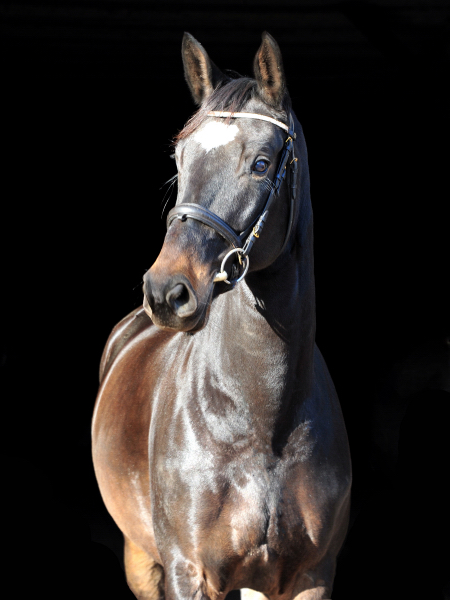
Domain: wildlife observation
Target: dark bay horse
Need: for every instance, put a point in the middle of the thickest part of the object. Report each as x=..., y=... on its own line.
x=218, y=440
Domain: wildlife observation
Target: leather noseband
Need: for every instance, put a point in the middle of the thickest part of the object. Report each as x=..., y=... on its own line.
x=197, y=212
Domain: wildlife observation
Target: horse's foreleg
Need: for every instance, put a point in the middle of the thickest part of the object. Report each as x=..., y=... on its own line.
x=320, y=592
x=317, y=583
x=248, y=594
x=145, y=577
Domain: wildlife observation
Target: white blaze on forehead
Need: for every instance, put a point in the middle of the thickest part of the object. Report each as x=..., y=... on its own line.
x=215, y=134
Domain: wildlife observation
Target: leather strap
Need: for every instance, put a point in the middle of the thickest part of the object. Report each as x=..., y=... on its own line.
x=234, y=115
x=279, y=177
x=293, y=168
x=197, y=212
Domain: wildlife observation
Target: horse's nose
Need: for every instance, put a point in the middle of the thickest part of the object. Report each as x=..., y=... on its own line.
x=175, y=296
x=181, y=300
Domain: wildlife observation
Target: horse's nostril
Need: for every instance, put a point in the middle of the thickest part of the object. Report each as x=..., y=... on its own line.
x=181, y=301
x=178, y=296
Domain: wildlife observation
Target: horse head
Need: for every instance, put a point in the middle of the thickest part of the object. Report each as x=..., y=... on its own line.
x=226, y=170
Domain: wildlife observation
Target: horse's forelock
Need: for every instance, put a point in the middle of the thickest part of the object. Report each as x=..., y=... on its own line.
x=232, y=96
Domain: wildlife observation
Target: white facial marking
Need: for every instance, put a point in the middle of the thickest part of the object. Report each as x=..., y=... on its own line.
x=215, y=134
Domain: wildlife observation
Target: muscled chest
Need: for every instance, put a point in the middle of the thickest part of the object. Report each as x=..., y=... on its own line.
x=246, y=509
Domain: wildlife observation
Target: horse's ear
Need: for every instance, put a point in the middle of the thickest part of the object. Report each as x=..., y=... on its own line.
x=269, y=73
x=201, y=73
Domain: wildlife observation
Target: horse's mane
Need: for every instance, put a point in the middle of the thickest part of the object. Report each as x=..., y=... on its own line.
x=231, y=96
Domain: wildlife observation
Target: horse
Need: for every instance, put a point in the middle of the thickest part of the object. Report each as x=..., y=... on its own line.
x=218, y=440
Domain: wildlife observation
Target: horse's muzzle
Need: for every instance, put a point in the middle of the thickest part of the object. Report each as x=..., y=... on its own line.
x=182, y=300
x=171, y=304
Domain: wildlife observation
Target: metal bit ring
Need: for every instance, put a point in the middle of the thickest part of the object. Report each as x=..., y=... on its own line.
x=223, y=275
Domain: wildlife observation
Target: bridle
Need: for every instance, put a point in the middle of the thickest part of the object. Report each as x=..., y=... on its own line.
x=243, y=243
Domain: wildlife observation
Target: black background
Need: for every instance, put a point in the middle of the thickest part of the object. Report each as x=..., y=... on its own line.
x=93, y=94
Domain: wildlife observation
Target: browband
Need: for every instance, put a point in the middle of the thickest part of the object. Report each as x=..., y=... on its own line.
x=218, y=113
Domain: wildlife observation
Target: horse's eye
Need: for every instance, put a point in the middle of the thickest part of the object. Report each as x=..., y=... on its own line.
x=260, y=166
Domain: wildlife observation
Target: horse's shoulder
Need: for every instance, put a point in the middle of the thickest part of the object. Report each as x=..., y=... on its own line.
x=125, y=330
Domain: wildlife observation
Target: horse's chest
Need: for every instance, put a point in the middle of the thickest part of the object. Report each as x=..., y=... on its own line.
x=237, y=509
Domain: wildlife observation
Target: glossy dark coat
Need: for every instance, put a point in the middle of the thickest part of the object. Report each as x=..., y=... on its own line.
x=221, y=453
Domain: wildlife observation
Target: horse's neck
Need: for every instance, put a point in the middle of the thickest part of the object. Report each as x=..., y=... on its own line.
x=264, y=334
